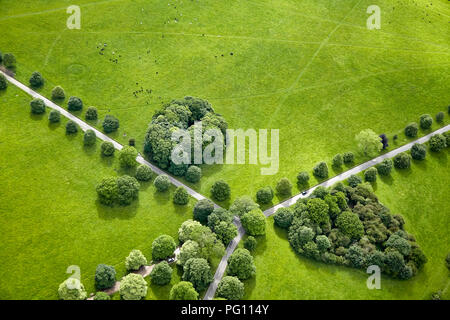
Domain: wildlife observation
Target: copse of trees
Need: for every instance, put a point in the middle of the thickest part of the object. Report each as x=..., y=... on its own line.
x=426, y=121
x=320, y=171
x=3, y=82
x=36, y=80
x=110, y=123
x=89, y=137
x=220, y=221
x=437, y=142
x=71, y=127
x=37, y=106
x=220, y=190
x=54, y=116
x=418, y=151
x=162, y=183
x=180, y=196
x=58, y=93
x=107, y=149
x=402, y=161
x=74, y=104
x=189, y=249
x=105, y=277
x=242, y=205
x=264, y=195
x=122, y=190
x=163, y=247
x=91, y=114
x=284, y=187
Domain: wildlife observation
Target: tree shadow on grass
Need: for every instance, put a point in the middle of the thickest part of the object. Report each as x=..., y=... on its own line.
x=303, y=186
x=337, y=170
x=440, y=157
x=107, y=161
x=90, y=150
x=161, y=197
x=117, y=212
x=404, y=172
x=54, y=125
x=180, y=209
x=37, y=117
x=387, y=179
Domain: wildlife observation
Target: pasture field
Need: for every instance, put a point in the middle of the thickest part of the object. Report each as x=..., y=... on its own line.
x=419, y=194
x=309, y=68
x=50, y=214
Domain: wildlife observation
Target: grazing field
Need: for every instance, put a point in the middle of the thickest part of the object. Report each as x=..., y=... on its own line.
x=419, y=194
x=49, y=212
x=309, y=68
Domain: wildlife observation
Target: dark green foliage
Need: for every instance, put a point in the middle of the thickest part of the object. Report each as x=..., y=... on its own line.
x=264, y=195
x=337, y=161
x=230, y=288
x=254, y=222
x=163, y=247
x=284, y=187
x=250, y=243
x=107, y=148
x=384, y=168
x=370, y=175
x=161, y=274
x=180, y=196
x=243, y=205
x=1, y=57
x=447, y=261
x=241, y=265
x=402, y=161
x=220, y=190
x=198, y=272
x=91, y=114
x=356, y=256
x=37, y=106
x=219, y=215
x=107, y=191
x=58, y=93
x=440, y=116
x=426, y=121
x=89, y=137
x=183, y=290
x=54, y=116
x=144, y=173
x=350, y=225
x=105, y=277
x=437, y=142
x=418, y=151
x=317, y=211
x=110, y=124
x=127, y=190
x=127, y=157
x=447, y=138
x=202, y=209
x=71, y=127
x=303, y=177
x=162, y=183
x=225, y=231
x=193, y=174
x=398, y=243
x=320, y=192
x=283, y=217
x=354, y=180
x=102, y=296
x=411, y=130
x=3, y=82
x=320, y=171
x=36, y=80
x=9, y=60
x=348, y=157
x=74, y=104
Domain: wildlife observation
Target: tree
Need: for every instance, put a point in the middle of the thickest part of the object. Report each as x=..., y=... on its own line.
x=107, y=191
x=183, y=290
x=193, y=174
x=127, y=190
x=437, y=142
x=250, y=243
x=337, y=160
x=284, y=187
x=348, y=157
x=447, y=261
x=161, y=274
x=163, y=247
x=426, y=121
x=180, y=196
x=230, y=288
x=320, y=171
x=243, y=205
x=220, y=190
x=384, y=141
x=110, y=124
x=37, y=106
x=72, y=289
x=241, y=264
x=254, y=222
x=418, y=151
x=317, y=211
x=36, y=80
x=356, y=256
x=54, y=116
x=411, y=130
x=402, y=161
x=189, y=249
x=9, y=61
x=198, y=272
x=398, y=243
x=264, y=195
x=135, y=260
x=350, y=225
x=440, y=116
x=127, y=157
x=133, y=287
x=369, y=144
x=144, y=173
x=71, y=127
x=102, y=296
x=303, y=177
x=89, y=137
x=3, y=82
x=385, y=167
x=447, y=138
x=320, y=192
x=370, y=175
x=91, y=114
x=283, y=217
x=225, y=231
x=105, y=277
x=219, y=215
x=74, y=104
x=323, y=243
x=162, y=183
x=58, y=93
x=202, y=209
x=107, y=148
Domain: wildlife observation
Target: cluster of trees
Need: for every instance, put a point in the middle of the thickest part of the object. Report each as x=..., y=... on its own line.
x=252, y=218
x=180, y=114
x=118, y=190
x=346, y=225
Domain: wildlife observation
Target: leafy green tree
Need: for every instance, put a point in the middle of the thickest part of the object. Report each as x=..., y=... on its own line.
x=241, y=264
x=143, y=173
x=71, y=127
x=225, y=231
x=127, y=157
x=107, y=148
x=74, y=104
x=398, y=243
x=91, y=114
x=337, y=161
x=320, y=171
x=418, y=151
x=426, y=121
x=230, y=288
x=402, y=161
x=107, y=191
x=254, y=222
x=250, y=243
x=440, y=117
x=218, y=215
x=3, y=82
x=161, y=274
x=127, y=190
x=242, y=205
x=354, y=180
x=163, y=247
x=105, y=276
x=264, y=195
x=394, y=262
x=102, y=296
x=317, y=211
x=447, y=138
x=220, y=190
x=411, y=130
x=283, y=217
x=384, y=168
x=135, y=260
x=58, y=93
x=72, y=289
x=447, y=261
x=133, y=287
x=369, y=143
x=37, y=106
x=202, y=209
x=284, y=187
x=183, y=290
x=198, y=272
x=348, y=157
x=162, y=183
x=189, y=249
x=370, y=175
x=303, y=177
x=9, y=61
x=320, y=192
x=323, y=243
x=356, y=256
x=350, y=225
x=54, y=116
x=193, y=174
x=89, y=137
x=110, y=124
x=437, y=142
x=36, y=80
x=180, y=196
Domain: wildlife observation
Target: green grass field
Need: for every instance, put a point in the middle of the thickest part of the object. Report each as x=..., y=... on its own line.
x=49, y=212
x=309, y=68
x=420, y=195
